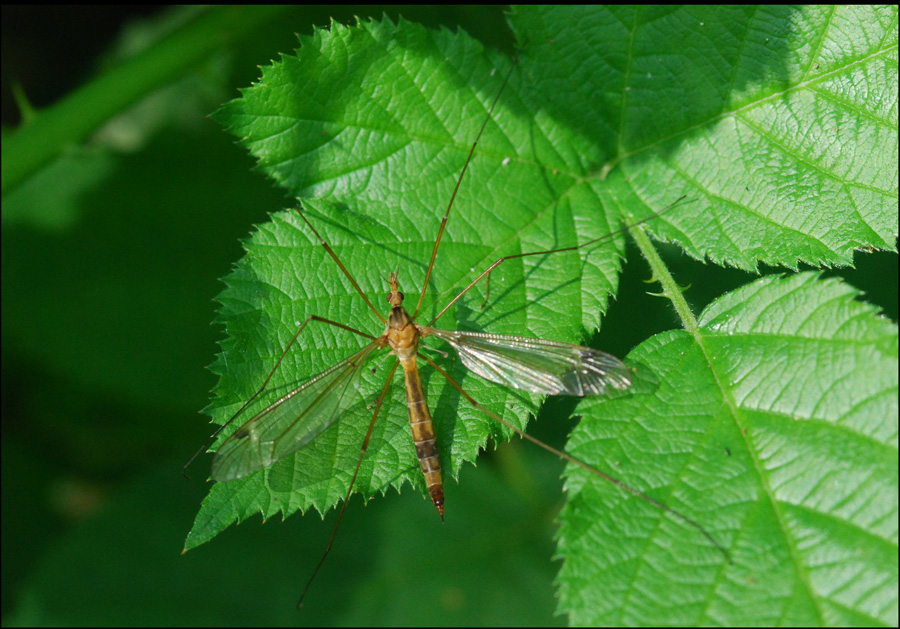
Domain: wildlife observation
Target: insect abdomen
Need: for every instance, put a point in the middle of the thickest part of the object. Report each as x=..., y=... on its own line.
x=423, y=434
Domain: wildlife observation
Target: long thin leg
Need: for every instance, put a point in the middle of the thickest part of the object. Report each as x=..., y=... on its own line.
x=269, y=377
x=487, y=272
x=582, y=464
x=437, y=242
x=359, y=461
x=346, y=272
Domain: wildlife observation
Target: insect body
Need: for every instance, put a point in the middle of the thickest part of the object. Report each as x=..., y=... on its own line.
x=403, y=336
x=534, y=365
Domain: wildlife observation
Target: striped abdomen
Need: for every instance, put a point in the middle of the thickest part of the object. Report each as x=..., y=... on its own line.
x=423, y=433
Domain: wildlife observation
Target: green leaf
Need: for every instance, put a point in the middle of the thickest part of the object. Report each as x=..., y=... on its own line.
x=778, y=124
x=775, y=426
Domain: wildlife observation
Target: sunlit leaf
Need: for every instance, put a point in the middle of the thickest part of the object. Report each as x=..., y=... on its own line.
x=778, y=124
x=776, y=428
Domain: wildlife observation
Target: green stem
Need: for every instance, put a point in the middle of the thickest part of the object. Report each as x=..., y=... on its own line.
x=70, y=121
x=674, y=293
x=671, y=290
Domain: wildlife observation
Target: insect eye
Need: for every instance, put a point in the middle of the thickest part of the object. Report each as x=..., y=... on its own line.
x=389, y=297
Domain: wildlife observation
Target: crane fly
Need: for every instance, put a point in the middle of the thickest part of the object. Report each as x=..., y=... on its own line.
x=539, y=366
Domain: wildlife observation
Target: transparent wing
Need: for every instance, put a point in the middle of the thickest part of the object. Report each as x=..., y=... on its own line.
x=537, y=365
x=291, y=421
